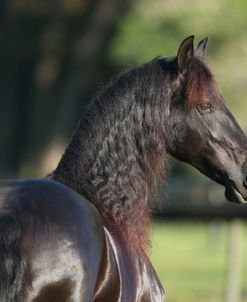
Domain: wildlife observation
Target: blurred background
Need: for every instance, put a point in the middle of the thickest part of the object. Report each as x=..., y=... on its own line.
x=55, y=55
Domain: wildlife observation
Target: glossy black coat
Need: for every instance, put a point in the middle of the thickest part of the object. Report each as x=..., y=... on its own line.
x=66, y=253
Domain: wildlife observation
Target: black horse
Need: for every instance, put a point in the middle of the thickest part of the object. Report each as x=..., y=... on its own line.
x=82, y=235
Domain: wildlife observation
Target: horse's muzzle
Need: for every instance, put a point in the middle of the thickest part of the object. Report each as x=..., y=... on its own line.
x=245, y=182
x=233, y=195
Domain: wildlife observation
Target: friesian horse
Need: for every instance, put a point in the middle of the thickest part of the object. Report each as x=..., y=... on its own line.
x=81, y=235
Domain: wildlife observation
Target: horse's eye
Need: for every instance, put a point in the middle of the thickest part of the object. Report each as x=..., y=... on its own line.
x=205, y=107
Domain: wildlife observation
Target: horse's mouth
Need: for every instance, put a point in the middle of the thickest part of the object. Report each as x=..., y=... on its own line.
x=233, y=195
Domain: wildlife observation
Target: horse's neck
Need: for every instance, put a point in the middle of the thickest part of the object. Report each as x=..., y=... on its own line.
x=117, y=175
x=137, y=278
x=118, y=151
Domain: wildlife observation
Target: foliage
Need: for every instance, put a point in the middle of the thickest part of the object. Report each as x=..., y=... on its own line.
x=154, y=28
x=55, y=55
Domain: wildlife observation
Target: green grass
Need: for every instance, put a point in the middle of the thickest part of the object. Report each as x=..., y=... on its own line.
x=191, y=260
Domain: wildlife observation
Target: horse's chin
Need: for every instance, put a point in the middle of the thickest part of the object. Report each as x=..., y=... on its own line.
x=233, y=195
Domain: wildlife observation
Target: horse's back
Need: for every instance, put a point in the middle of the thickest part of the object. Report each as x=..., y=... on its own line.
x=61, y=240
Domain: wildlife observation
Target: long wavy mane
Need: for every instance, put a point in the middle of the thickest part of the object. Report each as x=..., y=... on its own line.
x=117, y=153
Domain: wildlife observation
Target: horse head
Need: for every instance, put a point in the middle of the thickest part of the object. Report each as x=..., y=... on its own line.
x=202, y=131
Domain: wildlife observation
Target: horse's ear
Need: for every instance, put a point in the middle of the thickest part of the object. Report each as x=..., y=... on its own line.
x=202, y=49
x=185, y=53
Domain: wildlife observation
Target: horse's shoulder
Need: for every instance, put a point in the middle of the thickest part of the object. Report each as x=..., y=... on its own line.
x=50, y=203
x=61, y=235
x=46, y=190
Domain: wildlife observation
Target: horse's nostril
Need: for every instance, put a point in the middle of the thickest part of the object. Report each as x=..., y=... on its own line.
x=245, y=182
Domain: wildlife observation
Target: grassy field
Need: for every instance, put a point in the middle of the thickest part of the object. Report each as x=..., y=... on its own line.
x=191, y=260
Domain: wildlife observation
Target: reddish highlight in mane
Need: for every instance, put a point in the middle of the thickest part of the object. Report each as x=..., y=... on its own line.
x=200, y=84
x=136, y=228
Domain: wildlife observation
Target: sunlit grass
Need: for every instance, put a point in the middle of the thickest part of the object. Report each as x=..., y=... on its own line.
x=191, y=260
